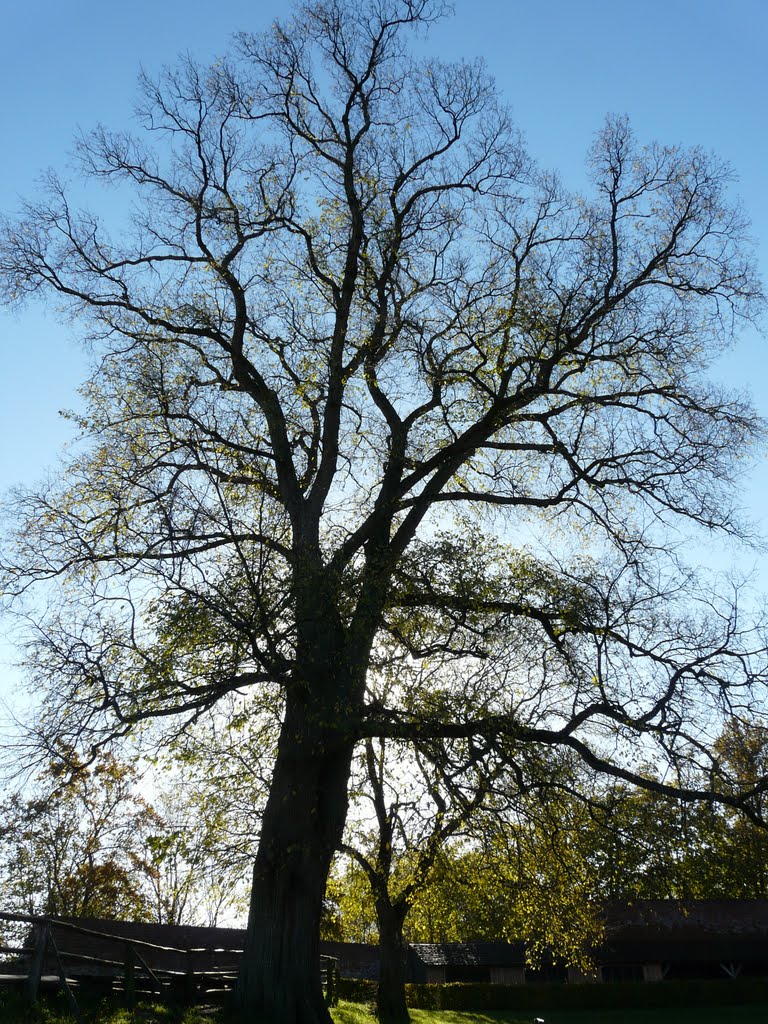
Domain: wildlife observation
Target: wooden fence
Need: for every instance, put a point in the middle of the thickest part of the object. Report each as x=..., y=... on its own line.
x=50, y=958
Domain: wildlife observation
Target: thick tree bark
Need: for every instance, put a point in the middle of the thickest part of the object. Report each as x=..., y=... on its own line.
x=279, y=979
x=390, y=996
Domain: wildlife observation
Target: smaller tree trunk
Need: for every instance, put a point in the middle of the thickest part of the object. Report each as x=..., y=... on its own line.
x=391, y=1006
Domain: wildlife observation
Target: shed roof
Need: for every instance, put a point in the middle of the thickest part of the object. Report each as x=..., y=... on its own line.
x=469, y=954
x=686, y=930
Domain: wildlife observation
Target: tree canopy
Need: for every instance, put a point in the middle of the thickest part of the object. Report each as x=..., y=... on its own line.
x=389, y=430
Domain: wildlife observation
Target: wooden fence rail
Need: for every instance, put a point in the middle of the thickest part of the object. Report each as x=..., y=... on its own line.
x=138, y=969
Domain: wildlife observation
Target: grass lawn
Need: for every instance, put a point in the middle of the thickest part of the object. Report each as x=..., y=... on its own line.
x=53, y=1011
x=699, y=1015
x=353, y=1013
x=756, y=1014
x=12, y=1012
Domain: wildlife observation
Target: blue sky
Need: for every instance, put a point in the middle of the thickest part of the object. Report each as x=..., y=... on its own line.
x=689, y=71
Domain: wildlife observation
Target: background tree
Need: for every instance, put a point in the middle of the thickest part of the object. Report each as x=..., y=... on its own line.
x=742, y=849
x=647, y=846
x=193, y=878
x=520, y=870
x=211, y=782
x=417, y=806
x=347, y=314
x=82, y=841
x=77, y=845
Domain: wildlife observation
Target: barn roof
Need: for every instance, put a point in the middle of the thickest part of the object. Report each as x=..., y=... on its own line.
x=686, y=930
x=469, y=954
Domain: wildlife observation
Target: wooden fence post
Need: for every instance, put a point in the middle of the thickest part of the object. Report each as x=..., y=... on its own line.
x=42, y=934
x=65, y=984
x=328, y=974
x=130, y=975
x=331, y=997
x=150, y=973
x=190, y=987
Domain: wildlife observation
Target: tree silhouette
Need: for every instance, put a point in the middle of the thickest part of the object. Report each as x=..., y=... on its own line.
x=372, y=394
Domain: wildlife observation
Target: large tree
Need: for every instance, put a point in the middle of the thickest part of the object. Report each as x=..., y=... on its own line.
x=352, y=352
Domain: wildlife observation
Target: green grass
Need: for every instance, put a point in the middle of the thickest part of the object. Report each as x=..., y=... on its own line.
x=355, y=1013
x=755, y=1014
x=54, y=1011
x=12, y=1011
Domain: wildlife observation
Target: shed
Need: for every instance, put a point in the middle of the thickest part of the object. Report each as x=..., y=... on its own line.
x=500, y=963
x=657, y=939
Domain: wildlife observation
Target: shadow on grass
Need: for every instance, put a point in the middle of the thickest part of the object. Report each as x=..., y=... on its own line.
x=54, y=1010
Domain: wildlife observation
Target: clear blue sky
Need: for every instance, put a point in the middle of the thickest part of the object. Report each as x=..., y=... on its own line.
x=690, y=71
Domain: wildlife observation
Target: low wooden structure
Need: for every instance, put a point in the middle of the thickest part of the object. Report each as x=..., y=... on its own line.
x=184, y=963
x=647, y=940
x=653, y=940
x=500, y=963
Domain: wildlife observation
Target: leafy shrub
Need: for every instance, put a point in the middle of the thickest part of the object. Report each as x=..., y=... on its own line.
x=358, y=990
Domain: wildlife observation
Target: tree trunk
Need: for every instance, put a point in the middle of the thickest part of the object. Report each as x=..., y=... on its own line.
x=279, y=980
x=390, y=996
